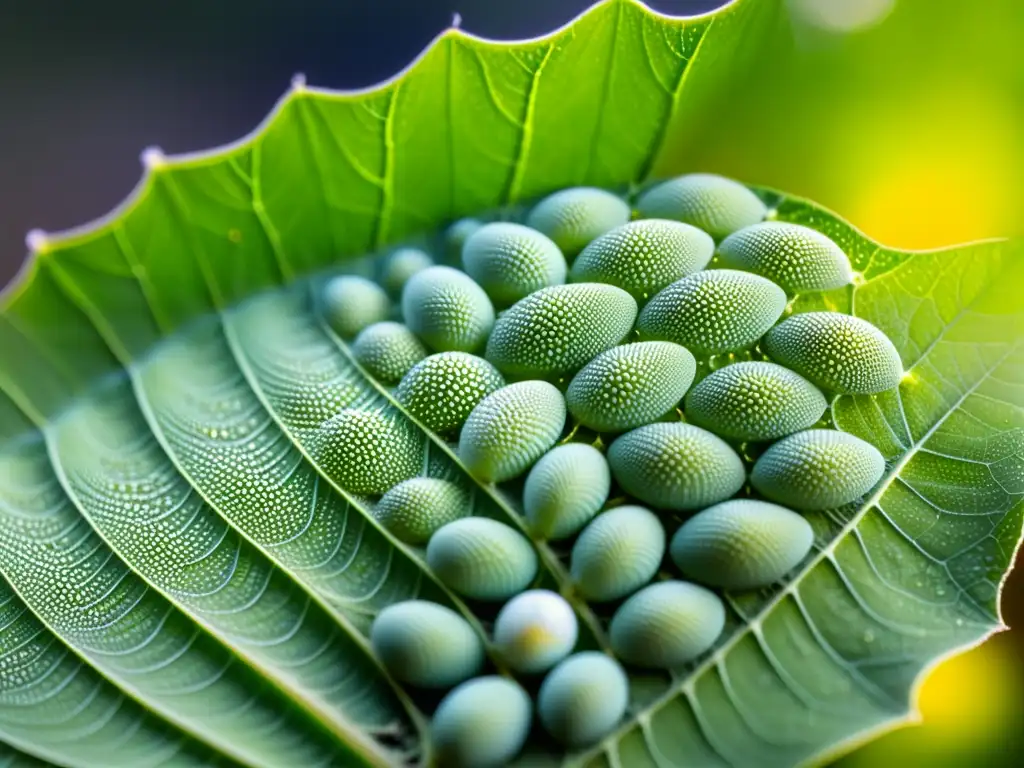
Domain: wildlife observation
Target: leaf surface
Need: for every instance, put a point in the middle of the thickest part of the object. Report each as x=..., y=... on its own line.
x=184, y=578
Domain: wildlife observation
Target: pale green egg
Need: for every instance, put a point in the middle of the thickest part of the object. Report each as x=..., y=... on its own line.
x=741, y=544
x=565, y=489
x=443, y=389
x=415, y=508
x=555, y=331
x=483, y=723
x=447, y=310
x=818, y=469
x=575, y=216
x=426, y=644
x=630, y=385
x=387, y=351
x=351, y=303
x=617, y=553
x=511, y=261
x=482, y=559
x=676, y=466
x=644, y=256
x=400, y=265
x=839, y=353
x=368, y=451
x=510, y=429
x=754, y=401
x=795, y=257
x=716, y=204
x=666, y=625
x=583, y=699
x=718, y=310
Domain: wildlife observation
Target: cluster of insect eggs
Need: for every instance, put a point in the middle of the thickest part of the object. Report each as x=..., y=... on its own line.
x=532, y=330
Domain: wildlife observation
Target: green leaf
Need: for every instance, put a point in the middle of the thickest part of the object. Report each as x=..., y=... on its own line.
x=184, y=579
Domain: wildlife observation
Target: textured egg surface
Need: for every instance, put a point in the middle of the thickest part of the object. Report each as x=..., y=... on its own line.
x=754, y=401
x=387, y=351
x=718, y=310
x=366, y=451
x=447, y=310
x=644, y=256
x=426, y=644
x=713, y=203
x=818, y=469
x=400, y=265
x=565, y=489
x=573, y=217
x=483, y=723
x=511, y=261
x=535, y=630
x=556, y=331
x=443, y=389
x=630, y=385
x=414, y=509
x=510, y=429
x=676, y=466
x=741, y=544
x=795, y=257
x=351, y=303
x=482, y=558
x=617, y=553
x=839, y=353
x=667, y=624
x=583, y=698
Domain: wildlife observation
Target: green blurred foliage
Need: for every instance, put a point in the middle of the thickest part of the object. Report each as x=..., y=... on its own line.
x=911, y=128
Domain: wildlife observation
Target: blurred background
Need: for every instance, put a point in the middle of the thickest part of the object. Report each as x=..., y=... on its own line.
x=905, y=116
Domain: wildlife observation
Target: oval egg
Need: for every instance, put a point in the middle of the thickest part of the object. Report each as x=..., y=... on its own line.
x=564, y=490
x=482, y=559
x=443, y=389
x=675, y=466
x=415, y=508
x=741, y=544
x=644, y=256
x=575, y=216
x=555, y=331
x=714, y=203
x=818, y=469
x=510, y=429
x=718, y=310
x=667, y=624
x=839, y=353
x=447, y=310
x=583, y=699
x=617, y=553
x=426, y=644
x=754, y=401
x=630, y=385
x=483, y=723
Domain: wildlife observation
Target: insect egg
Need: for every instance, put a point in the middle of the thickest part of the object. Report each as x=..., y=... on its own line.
x=351, y=303
x=415, y=508
x=511, y=261
x=644, y=256
x=387, y=350
x=818, y=469
x=666, y=624
x=482, y=558
x=583, y=698
x=535, y=630
x=446, y=309
x=716, y=204
x=510, y=429
x=565, y=489
x=443, y=389
x=573, y=217
x=741, y=544
x=617, y=553
x=482, y=723
x=426, y=644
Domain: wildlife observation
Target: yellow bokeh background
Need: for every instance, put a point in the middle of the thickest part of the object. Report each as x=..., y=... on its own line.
x=913, y=129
